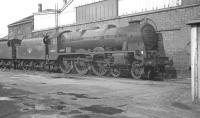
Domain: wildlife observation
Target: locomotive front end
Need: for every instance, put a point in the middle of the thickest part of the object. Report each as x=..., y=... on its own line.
x=154, y=62
x=145, y=50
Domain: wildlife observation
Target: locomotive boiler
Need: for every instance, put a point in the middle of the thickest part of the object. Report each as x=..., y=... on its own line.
x=135, y=36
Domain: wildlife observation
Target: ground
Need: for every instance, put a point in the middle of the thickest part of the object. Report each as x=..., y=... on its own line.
x=55, y=95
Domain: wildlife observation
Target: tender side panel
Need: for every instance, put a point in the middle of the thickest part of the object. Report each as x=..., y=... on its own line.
x=31, y=49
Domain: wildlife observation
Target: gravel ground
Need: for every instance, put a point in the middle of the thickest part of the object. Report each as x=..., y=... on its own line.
x=54, y=95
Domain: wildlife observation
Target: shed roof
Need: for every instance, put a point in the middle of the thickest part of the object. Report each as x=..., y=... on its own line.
x=22, y=21
x=4, y=38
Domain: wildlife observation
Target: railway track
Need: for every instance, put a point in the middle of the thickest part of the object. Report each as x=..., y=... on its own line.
x=75, y=75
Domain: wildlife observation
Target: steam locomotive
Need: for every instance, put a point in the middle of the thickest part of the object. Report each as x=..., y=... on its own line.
x=132, y=49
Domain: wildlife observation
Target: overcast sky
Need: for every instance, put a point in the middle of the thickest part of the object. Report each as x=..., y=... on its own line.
x=14, y=10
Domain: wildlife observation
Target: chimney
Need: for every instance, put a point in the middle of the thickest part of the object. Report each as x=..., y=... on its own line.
x=39, y=7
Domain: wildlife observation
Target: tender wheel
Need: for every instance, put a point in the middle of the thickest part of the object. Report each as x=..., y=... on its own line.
x=55, y=67
x=45, y=66
x=1, y=63
x=30, y=66
x=24, y=65
x=20, y=64
x=99, y=68
x=115, y=72
x=66, y=66
x=149, y=74
x=81, y=67
x=137, y=70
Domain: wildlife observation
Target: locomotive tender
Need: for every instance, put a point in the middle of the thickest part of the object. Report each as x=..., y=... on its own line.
x=132, y=49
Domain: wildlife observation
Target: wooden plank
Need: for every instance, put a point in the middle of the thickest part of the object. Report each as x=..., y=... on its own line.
x=198, y=63
x=193, y=60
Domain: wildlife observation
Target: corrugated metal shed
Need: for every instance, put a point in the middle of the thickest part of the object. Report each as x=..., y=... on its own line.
x=97, y=11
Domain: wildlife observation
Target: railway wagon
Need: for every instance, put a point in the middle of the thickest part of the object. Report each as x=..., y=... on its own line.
x=8, y=52
x=5, y=54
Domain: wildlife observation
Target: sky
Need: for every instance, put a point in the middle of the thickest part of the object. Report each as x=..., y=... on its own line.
x=67, y=17
x=14, y=10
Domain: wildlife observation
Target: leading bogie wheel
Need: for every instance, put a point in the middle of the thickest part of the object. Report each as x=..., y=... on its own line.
x=137, y=70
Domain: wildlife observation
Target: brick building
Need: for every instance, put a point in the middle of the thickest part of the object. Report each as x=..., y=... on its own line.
x=170, y=22
x=21, y=29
